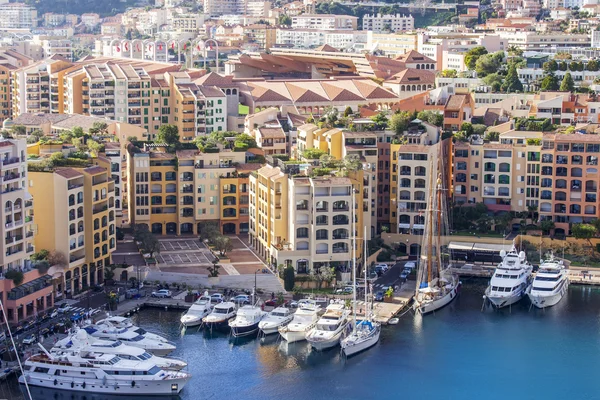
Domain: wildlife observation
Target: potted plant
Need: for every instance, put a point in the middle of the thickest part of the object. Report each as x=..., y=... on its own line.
x=189, y=297
x=213, y=273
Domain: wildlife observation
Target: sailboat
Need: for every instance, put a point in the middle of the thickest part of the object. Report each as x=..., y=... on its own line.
x=436, y=285
x=366, y=332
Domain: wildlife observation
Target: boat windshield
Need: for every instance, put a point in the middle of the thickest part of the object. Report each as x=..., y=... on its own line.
x=135, y=338
x=278, y=314
x=140, y=331
x=328, y=327
x=302, y=319
x=113, y=344
x=222, y=310
x=145, y=356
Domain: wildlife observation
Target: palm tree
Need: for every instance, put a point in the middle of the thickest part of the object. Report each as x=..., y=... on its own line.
x=532, y=210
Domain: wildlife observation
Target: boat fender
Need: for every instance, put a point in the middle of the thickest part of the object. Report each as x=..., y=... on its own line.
x=55, y=382
x=83, y=385
x=116, y=386
x=132, y=383
x=72, y=384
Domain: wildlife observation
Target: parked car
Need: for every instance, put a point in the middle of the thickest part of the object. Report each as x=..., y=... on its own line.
x=216, y=297
x=44, y=332
x=293, y=304
x=162, y=293
x=54, y=314
x=271, y=303
x=18, y=330
x=379, y=296
x=30, y=339
x=132, y=292
x=64, y=307
x=45, y=317
x=241, y=299
x=383, y=267
x=404, y=275
x=76, y=317
x=410, y=265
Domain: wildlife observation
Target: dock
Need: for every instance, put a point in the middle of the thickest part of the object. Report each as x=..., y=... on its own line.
x=401, y=301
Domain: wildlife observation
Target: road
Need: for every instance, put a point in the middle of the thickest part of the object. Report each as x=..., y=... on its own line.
x=390, y=278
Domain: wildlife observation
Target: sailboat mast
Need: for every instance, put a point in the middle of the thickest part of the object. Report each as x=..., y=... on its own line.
x=365, y=261
x=429, y=230
x=354, y=259
x=438, y=248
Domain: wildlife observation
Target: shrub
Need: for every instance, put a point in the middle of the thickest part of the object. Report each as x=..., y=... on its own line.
x=289, y=278
x=384, y=256
x=16, y=276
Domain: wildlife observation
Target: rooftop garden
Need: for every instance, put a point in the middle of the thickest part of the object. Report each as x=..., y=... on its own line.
x=74, y=160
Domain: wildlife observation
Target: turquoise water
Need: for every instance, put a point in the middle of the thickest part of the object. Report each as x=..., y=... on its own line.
x=458, y=353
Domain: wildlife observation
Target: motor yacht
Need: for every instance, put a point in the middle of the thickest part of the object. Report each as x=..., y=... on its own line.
x=246, y=321
x=510, y=281
x=220, y=316
x=280, y=316
x=550, y=284
x=330, y=328
x=200, y=309
x=305, y=319
x=92, y=372
x=82, y=341
x=130, y=338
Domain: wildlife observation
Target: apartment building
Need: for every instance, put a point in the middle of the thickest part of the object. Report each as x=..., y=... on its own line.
x=310, y=38
x=34, y=293
x=392, y=44
x=306, y=221
x=554, y=172
x=340, y=144
x=553, y=41
x=264, y=36
x=17, y=16
x=388, y=23
x=10, y=60
x=118, y=173
x=174, y=197
x=90, y=19
x=53, y=19
x=77, y=219
x=199, y=110
x=215, y=8
x=324, y=22
x=33, y=91
x=421, y=155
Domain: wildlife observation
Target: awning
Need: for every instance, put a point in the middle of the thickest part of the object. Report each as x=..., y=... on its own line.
x=486, y=247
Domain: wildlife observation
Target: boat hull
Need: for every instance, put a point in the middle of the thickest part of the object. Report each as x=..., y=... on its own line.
x=190, y=322
x=548, y=301
x=220, y=325
x=428, y=307
x=160, y=352
x=292, y=336
x=140, y=388
x=352, y=347
x=246, y=330
x=320, y=343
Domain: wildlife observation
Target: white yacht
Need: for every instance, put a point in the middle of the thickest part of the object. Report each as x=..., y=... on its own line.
x=246, y=321
x=510, y=281
x=200, y=309
x=91, y=372
x=220, y=316
x=126, y=323
x=280, y=316
x=81, y=341
x=550, y=284
x=130, y=338
x=304, y=320
x=330, y=327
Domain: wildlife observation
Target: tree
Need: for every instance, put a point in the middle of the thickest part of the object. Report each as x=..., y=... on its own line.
x=449, y=73
x=479, y=129
x=327, y=274
x=432, y=117
x=99, y=127
x=94, y=147
x=549, y=83
x=567, y=84
x=583, y=231
x=473, y=55
x=550, y=66
x=139, y=230
x=592, y=65
x=223, y=244
x=244, y=142
x=489, y=63
x=18, y=130
x=313, y=154
x=492, y=136
x=494, y=80
x=399, y=122
x=208, y=230
x=16, y=276
x=57, y=258
x=467, y=128
x=562, y=66
x=348, y=111
x=78, y=131
x=40, y=255
x=285, y=20
x=515, y=51
x=35, y=136
x=512, y=83
x=380, y=121
x=289, y=278
x=168, y=134
x=213, y=271
x=150, y=243
x=352, y=162
x=546, y=226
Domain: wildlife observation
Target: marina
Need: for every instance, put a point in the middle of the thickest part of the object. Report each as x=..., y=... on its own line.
x=223, y=366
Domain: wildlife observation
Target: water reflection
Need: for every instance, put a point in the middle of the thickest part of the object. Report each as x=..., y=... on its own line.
x=38, y=393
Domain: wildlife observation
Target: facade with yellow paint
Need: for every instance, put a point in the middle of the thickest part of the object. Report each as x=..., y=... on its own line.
x=306, y=221
x=77, y=219
x=172, y=193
